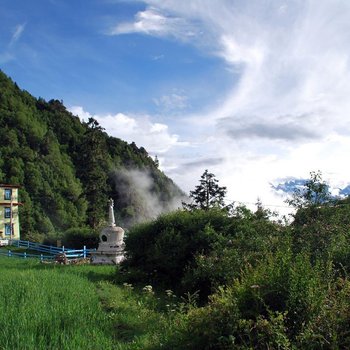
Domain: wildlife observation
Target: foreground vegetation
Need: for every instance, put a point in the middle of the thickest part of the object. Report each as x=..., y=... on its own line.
x=259, y=283
x=76, y=307
x=45, y=308
x=207, y=278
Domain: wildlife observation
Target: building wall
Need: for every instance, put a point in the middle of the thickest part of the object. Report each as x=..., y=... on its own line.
x=5, y=212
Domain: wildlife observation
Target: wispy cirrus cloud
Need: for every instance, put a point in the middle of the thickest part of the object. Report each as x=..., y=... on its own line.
x=277, y=131
x=153, y=21
x=174, y=101
x=17, y=33
x=288, y=109
x=202, y=163
x=8, y=54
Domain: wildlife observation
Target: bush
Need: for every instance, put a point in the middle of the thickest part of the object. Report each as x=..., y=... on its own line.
x=322, y=232
x=163, y=248
x=268, y=307
x=330, y=329
x=79, y=237
x=51, y=239
x=202, y=249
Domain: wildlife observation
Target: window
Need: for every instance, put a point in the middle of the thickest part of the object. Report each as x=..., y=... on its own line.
x=8, y=194
x=8, y=230
x=7, y=213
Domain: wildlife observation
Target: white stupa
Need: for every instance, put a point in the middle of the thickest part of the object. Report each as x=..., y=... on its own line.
x=111, y=246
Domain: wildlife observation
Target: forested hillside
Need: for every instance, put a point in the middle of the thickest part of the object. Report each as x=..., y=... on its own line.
x=67, y=169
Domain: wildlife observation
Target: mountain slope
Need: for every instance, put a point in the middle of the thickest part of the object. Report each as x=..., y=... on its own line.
x=47, y=150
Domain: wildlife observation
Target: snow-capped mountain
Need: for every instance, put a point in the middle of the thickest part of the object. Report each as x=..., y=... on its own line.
x=289, y=185
x=344, y=192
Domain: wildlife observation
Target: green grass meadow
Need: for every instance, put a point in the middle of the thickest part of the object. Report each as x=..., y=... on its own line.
x=74, y=307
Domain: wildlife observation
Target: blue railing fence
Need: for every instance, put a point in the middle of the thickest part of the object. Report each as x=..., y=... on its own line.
x=49, y=251
x=25, y=255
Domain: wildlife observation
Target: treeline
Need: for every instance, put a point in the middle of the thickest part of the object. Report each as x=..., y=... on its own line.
x=252, y=281
x=67, y=169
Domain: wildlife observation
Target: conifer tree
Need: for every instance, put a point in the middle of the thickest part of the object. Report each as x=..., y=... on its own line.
x=94, y=172
x=208, y=194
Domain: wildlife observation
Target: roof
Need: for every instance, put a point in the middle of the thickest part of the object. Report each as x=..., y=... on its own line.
x=13, y=203
x=10, y=186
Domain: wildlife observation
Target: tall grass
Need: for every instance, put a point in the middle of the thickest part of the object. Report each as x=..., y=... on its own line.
x=46, y=307
x=50, y=308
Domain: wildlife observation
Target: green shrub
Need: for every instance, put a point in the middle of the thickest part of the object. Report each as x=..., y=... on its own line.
x=268, y=307
x=78, y=237
x=330, y=329
x=202, y=249
x=218, y=267
x=323, y=232
x=163, y=248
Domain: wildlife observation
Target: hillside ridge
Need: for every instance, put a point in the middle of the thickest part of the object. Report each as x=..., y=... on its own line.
x=67, y=169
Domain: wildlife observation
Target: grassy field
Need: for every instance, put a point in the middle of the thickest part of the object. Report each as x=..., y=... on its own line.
x=75, y=307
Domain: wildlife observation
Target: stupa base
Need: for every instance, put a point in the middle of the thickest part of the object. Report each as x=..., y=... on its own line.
x=104, y=258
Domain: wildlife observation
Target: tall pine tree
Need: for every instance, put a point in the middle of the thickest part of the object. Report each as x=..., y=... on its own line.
x=208, y=194
x=93, y=172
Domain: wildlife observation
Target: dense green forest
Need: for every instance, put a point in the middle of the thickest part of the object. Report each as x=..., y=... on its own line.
x=67, y=169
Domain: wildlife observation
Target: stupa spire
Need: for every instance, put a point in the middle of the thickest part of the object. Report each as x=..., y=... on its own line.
x=111, y=219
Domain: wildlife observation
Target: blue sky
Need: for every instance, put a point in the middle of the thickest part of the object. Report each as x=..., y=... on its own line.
x=62, y=49
x=255, y=91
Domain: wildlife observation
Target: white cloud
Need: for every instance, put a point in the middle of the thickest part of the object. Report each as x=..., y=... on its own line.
x=8, y=55
x=288, y=110
x=79, y=111
x=154, y=137
x=172, y=102
x=153, y=22
x=17, y=33
x=157, y=57
x=237, y=53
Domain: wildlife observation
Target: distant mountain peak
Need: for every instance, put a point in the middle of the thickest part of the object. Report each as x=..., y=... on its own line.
x=288, y=185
